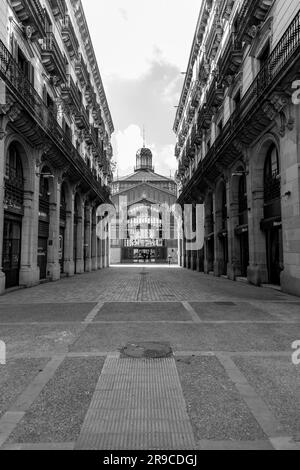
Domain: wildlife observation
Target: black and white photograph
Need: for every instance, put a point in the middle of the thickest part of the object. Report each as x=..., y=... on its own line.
x=149, y=229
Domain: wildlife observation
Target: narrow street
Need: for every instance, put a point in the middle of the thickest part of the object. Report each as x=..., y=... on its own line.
x=149, y=358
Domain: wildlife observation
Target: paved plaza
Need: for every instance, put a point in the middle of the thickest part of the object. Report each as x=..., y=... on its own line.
x=228, y=381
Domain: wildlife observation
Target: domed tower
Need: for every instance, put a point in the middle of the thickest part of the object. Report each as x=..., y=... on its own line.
x=144, y=160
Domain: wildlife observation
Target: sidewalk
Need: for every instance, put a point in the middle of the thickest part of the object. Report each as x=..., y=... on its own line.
x=229, y=381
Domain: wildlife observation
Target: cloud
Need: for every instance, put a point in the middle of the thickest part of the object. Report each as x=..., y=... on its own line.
x=127, y=143
x=131, y=31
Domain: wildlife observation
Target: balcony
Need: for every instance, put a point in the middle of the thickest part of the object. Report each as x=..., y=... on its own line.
x=215, y=95
x=196, y=95
x=82, y=119
x=69, y=38
x=252, y=14
x=70, y=94
x=82, y=71
x=58, y=8
x=38, y=122
x=31, y=14
x=90, y=95
x=96, y=113
x=232, y=57
x=53, y=59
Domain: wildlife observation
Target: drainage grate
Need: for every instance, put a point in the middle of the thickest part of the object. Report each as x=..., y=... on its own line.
x=147, y=350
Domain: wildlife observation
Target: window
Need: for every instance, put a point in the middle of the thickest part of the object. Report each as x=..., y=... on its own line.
x=237, y=101
x=264, y=55
x=14, y=185
x=219, y=127
x=25, y=66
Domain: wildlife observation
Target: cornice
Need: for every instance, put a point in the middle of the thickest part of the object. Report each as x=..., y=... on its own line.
x=89, y=49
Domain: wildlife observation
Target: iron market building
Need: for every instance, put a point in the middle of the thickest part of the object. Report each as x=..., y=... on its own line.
x=145, y=191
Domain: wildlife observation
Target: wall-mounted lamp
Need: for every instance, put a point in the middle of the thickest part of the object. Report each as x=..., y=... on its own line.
x=45, y=175
x=287, y=195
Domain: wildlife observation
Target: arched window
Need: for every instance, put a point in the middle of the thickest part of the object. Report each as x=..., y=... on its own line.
x=271, y=176
x=14, y=185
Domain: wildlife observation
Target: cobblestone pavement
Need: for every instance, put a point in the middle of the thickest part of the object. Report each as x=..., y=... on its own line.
x=230, y=382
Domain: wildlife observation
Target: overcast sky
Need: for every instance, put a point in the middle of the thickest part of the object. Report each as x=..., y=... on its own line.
x=142, y=46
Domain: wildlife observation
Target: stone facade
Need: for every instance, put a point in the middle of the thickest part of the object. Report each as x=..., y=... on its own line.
x=144, y=189
x=55, y=144
x=238, y=150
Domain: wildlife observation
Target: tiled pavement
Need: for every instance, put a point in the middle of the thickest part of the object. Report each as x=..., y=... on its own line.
x=230, y=383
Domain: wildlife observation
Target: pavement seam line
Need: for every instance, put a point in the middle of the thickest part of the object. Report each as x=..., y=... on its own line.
x=262, y=413
x=192, y=312
x=92, y=315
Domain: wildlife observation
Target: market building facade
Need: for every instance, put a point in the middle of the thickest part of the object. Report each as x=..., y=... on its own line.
x=238, y=149
x=55, y=150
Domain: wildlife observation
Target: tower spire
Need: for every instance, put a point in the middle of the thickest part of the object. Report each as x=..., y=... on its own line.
x=144, y=137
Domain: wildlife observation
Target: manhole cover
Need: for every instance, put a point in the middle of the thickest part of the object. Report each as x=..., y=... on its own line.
x=147, y=350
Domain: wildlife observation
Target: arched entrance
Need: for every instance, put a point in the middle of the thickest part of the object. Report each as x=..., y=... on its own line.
x=44, y=220
x=272, y=222
x=13, y=215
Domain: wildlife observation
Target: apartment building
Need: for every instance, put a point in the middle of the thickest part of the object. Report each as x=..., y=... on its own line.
x=55, y=143
x=238, y=148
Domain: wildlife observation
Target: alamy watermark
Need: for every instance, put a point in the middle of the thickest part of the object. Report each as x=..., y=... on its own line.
x=154, y=221
x=296, y=93
x=2, y=353
x=296, y=354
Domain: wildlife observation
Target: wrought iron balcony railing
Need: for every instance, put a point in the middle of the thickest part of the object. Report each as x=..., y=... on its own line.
x=283, y=56
x=27, y=97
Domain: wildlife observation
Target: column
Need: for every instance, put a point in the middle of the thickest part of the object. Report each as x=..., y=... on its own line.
x=29, y=271
x=80, y=240
x=2, y=174
x=290, y=189
x=94, y=242
x=99, y=254
x=53, y=266
x=69, y=265
x=257, y=271
x=217, y=243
